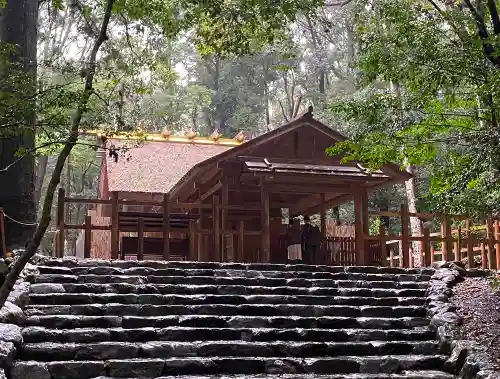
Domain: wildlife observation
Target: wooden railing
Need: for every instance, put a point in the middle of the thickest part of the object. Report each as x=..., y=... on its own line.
x=449, y=244
x=165, y=222
x=467, y=241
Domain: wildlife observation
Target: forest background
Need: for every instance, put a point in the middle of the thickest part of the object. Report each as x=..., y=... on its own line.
x=410, y=81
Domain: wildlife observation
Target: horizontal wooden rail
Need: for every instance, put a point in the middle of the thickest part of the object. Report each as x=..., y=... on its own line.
x=419, y=215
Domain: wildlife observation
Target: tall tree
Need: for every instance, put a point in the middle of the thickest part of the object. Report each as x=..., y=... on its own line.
x=18, y=33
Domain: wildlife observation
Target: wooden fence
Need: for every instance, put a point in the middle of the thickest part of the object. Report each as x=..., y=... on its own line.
x=468, y=241
x=471, y=241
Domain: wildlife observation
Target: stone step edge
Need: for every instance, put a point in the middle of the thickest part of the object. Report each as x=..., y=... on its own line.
x=222, y=342
x=431, y=374
x=72, y=262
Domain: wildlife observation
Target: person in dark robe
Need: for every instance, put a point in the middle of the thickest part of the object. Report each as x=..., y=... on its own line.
x=311, y=239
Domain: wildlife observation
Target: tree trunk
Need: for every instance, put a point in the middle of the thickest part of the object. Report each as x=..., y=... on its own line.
x=18, y=26
x=45, y=217
x=41, y=170
x=415, y=227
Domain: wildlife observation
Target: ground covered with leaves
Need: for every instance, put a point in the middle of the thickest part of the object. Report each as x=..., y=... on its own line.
x=479, y=305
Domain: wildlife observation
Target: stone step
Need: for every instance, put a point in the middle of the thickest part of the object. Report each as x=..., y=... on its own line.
x=402, y=375
x=204, y=321
x=231, y=273
x=406, y=289
x=40, y=334
x=158, y=299
x=217, y=281
x=71, y=263
x=120, y=309
x=49, y=351
x=141, y=368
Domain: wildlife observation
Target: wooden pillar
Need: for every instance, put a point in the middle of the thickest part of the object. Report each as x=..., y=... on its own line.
x=447, y=239
x=199, y=238
x=491, y=244
x=426, y=248
x=2, y=230
x=61, y=195
x=497, y=244
x=241, y=242
x=140, y=239
x=266, y=234
x=192, y=241
x=115, y=229
x=383, y=245
x=470, y=245
x=405, y=233
x=225, y=201
x=323, y=217
x=87, y=237
x=359, y=229
x=166, y=226
x=216, y=229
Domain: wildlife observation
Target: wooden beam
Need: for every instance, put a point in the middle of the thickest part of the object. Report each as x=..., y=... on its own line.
x=211, y=191
x=115, y=231
x=309, y=177
x=330, y=203
x=312, y=188
x=266, y=237
x=305, y=161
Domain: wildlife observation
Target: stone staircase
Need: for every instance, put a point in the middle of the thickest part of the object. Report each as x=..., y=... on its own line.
x=124, y=319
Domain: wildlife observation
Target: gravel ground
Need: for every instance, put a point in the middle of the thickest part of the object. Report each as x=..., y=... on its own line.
x=480, y=308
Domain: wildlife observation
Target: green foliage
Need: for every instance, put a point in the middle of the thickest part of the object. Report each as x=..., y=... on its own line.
x=429, y=96
x=495, y=282
x=223, y=27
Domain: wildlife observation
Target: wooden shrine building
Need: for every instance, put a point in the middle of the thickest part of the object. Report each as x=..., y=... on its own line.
x=225, y=200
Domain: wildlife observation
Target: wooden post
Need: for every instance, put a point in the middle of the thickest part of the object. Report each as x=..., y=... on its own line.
x=225, y=201
x=391, y=257
x=484, y=258
x=61, y=194
x=491, y=244
x=266, y=237
x=458, y=253
x=115, y=229
x=192, y=241
x=497, y=244
x=433, y=254
x=405, y=233
x=199, y=238
x=166, y=226
x=426, y=248
x=383, y=245
x=87, y=237
x=322, y=216
x=216, y=228
x=447, y=249
x=470, y=245
x=241, y=242
x=140, y=239
x=2, y=230
x=359, y=239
